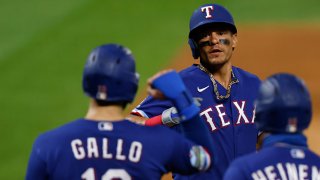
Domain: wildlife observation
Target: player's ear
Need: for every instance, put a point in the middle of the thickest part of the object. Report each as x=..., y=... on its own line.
x=234, y=40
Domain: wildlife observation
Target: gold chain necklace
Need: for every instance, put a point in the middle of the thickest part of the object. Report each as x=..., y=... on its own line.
x=215, y=86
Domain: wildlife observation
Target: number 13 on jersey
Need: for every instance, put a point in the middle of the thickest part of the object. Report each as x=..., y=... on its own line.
x=110, y=174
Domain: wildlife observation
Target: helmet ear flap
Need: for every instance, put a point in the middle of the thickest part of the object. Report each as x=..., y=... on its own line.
x=194, y=48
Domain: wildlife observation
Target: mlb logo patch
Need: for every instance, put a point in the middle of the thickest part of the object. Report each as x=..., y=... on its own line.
x=105, y=126
x=297, y=154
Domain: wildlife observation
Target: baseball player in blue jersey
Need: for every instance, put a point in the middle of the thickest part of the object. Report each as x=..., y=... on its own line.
x=225, y=93
x=283, y=111
x=104, y=145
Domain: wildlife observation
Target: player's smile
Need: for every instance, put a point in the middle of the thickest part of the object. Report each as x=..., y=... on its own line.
x=213, y=48
x=215, y=52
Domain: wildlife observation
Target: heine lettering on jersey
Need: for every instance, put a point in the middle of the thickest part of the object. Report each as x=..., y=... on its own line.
x=287, y=171
x=220, y=110
x=91, y=150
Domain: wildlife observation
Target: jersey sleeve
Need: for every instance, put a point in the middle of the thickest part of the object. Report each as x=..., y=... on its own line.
x=151, y=107
x=179, y=162
x=186, y=157
x=36, y=166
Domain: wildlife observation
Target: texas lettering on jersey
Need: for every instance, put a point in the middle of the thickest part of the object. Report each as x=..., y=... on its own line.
x=224, y=120
x=231, y=120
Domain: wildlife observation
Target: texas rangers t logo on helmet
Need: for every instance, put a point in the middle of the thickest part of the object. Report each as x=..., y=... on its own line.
x=208, y=10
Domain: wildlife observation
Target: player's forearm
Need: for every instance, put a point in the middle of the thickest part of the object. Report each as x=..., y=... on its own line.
x=195, y=130
x=193, y=127
x=203, y=155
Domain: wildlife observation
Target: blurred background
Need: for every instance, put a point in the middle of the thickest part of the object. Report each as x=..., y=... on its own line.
x=44, y=45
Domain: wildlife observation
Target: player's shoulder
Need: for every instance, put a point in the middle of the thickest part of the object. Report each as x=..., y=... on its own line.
x=242, y=160
x=154, y=131
x=192, y=75
x=240, y=167
x=313, y=155
x=164, y=136
x=246, y=76
x=192, y=70
x=266, y=154
x=58, y=133
x=272, y=155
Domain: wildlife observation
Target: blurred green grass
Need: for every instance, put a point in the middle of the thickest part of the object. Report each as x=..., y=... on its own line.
x=44, y=45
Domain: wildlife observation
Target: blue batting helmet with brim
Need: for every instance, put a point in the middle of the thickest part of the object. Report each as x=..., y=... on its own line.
x=206, y=15
x=283, y=105
x=110, y=74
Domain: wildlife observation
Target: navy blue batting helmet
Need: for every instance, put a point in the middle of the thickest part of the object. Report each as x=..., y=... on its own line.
x=208, y=14
x=283, y=105
x=110, y=74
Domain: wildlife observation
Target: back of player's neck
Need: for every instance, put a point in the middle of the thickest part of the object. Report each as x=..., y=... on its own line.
x=105, y=113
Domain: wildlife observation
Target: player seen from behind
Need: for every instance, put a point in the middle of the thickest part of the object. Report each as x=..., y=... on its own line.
x=104, y=145
x=283, y=112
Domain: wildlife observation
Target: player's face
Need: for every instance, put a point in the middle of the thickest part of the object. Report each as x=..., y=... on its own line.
x=216, y=45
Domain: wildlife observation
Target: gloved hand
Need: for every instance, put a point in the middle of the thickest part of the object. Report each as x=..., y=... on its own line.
x=170, y=85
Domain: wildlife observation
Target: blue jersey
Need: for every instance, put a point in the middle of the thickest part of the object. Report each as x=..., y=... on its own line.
x=86, y=149
x=231, y=121
x=278, y=161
